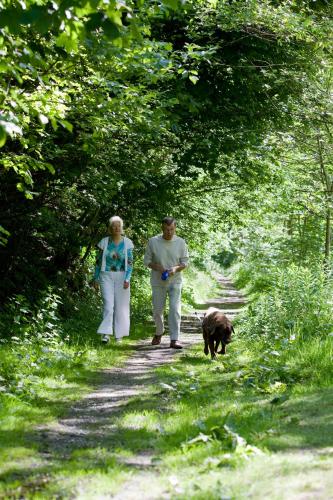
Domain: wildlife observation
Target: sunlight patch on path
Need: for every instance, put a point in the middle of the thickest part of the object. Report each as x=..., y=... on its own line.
x=91, y=423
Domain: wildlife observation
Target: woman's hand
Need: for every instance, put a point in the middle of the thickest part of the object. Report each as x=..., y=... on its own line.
x=95, y=285
x=126, y=284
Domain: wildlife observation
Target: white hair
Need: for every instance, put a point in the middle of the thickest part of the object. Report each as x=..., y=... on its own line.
x=115, y=218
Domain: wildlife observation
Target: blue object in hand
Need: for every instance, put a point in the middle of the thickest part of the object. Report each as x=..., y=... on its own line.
x=165, y=275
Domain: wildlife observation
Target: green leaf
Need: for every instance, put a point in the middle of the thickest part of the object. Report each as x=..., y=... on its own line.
x=67, y=125
x=3, y=136
x=171, y=4
x=111, y=30
x=193, y=79
x=4, y=67
x=8, y=126
x=4, y=235
x=50, y=168
x=69, y=42
x=7, y=233
x=95, y=21
x=54, y=124
x=43, y=119
x=10, y=18
x=115, y=17
x=39, y=17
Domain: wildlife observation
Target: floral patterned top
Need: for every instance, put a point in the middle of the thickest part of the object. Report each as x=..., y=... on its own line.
x=115, y=259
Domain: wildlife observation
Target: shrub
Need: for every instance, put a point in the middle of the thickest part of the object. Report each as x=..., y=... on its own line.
x=297, y=307
x=40, y=323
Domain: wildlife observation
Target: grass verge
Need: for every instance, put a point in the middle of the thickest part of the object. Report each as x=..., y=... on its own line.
x=257, y=423
x=39, y=381
x=233, y=429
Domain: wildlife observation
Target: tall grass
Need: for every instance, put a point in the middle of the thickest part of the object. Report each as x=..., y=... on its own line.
x=297, y=305
x=291, y=324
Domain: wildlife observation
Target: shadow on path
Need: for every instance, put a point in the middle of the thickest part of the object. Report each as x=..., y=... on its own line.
x=90, y=424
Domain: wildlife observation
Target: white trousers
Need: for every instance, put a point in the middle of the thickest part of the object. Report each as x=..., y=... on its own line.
x=174, y=290
x=116, y=302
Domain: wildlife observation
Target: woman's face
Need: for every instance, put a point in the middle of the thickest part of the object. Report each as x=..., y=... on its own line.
x=115, y=228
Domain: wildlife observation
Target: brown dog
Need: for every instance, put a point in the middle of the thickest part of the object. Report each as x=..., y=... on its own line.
x=216, y=328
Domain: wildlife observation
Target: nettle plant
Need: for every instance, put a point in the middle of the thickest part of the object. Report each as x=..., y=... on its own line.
x=23, y=323
x=297, y=307
x=34, y=346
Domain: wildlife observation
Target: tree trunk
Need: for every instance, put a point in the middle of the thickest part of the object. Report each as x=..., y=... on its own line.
x=327, y=181
x=328, y=232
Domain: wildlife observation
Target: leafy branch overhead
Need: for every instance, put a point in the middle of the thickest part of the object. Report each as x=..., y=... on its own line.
x=145, y=108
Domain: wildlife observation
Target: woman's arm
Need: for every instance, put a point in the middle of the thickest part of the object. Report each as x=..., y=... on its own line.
x=129, y=265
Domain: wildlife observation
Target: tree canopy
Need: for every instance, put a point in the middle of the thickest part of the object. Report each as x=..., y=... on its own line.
x=142, y=108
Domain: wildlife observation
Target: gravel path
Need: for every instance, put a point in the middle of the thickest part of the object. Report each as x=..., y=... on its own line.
x=89, y=421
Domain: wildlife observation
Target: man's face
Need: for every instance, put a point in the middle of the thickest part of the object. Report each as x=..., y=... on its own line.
x=168, y=231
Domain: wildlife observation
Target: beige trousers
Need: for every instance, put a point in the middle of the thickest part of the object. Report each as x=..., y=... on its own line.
x=174, y=290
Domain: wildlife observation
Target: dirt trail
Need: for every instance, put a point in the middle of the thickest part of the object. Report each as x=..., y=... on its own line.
x=92, y=419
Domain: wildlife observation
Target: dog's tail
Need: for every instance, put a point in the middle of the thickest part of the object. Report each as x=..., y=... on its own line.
x=198, y=317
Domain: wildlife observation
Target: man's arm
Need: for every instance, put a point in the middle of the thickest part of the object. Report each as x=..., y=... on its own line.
x=183, y=261
x=156, y=267
x=148, y=260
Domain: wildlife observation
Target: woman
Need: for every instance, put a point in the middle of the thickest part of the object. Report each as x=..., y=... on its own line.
x=113, y=273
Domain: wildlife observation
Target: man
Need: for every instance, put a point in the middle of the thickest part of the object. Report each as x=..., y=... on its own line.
x=166, y=252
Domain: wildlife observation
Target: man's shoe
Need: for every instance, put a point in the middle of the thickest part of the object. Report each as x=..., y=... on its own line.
x=174, y=345
x=105, y=339
x=118, y=340
x=156, y=340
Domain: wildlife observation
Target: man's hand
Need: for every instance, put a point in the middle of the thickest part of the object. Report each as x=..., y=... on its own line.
x=175, y=269
x=126, y=285
x=172, y=270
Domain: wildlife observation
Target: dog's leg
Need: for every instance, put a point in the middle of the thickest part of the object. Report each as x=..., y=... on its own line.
x=211, y=348
x=205, y=336
x=217, y=344
x=223, y=350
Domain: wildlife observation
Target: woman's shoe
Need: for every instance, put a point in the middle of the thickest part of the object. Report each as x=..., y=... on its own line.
x=118, y=340
x=105, y=339
x=156, y=340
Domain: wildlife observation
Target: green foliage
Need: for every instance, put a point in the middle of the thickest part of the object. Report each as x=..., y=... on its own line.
x=34, y=342
x=218, y=113
x=147, y=109
x=4, y=234
x=296, y=307
x=218, y=421
x=140, y=294
x=229, y=441
x=40, y=325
